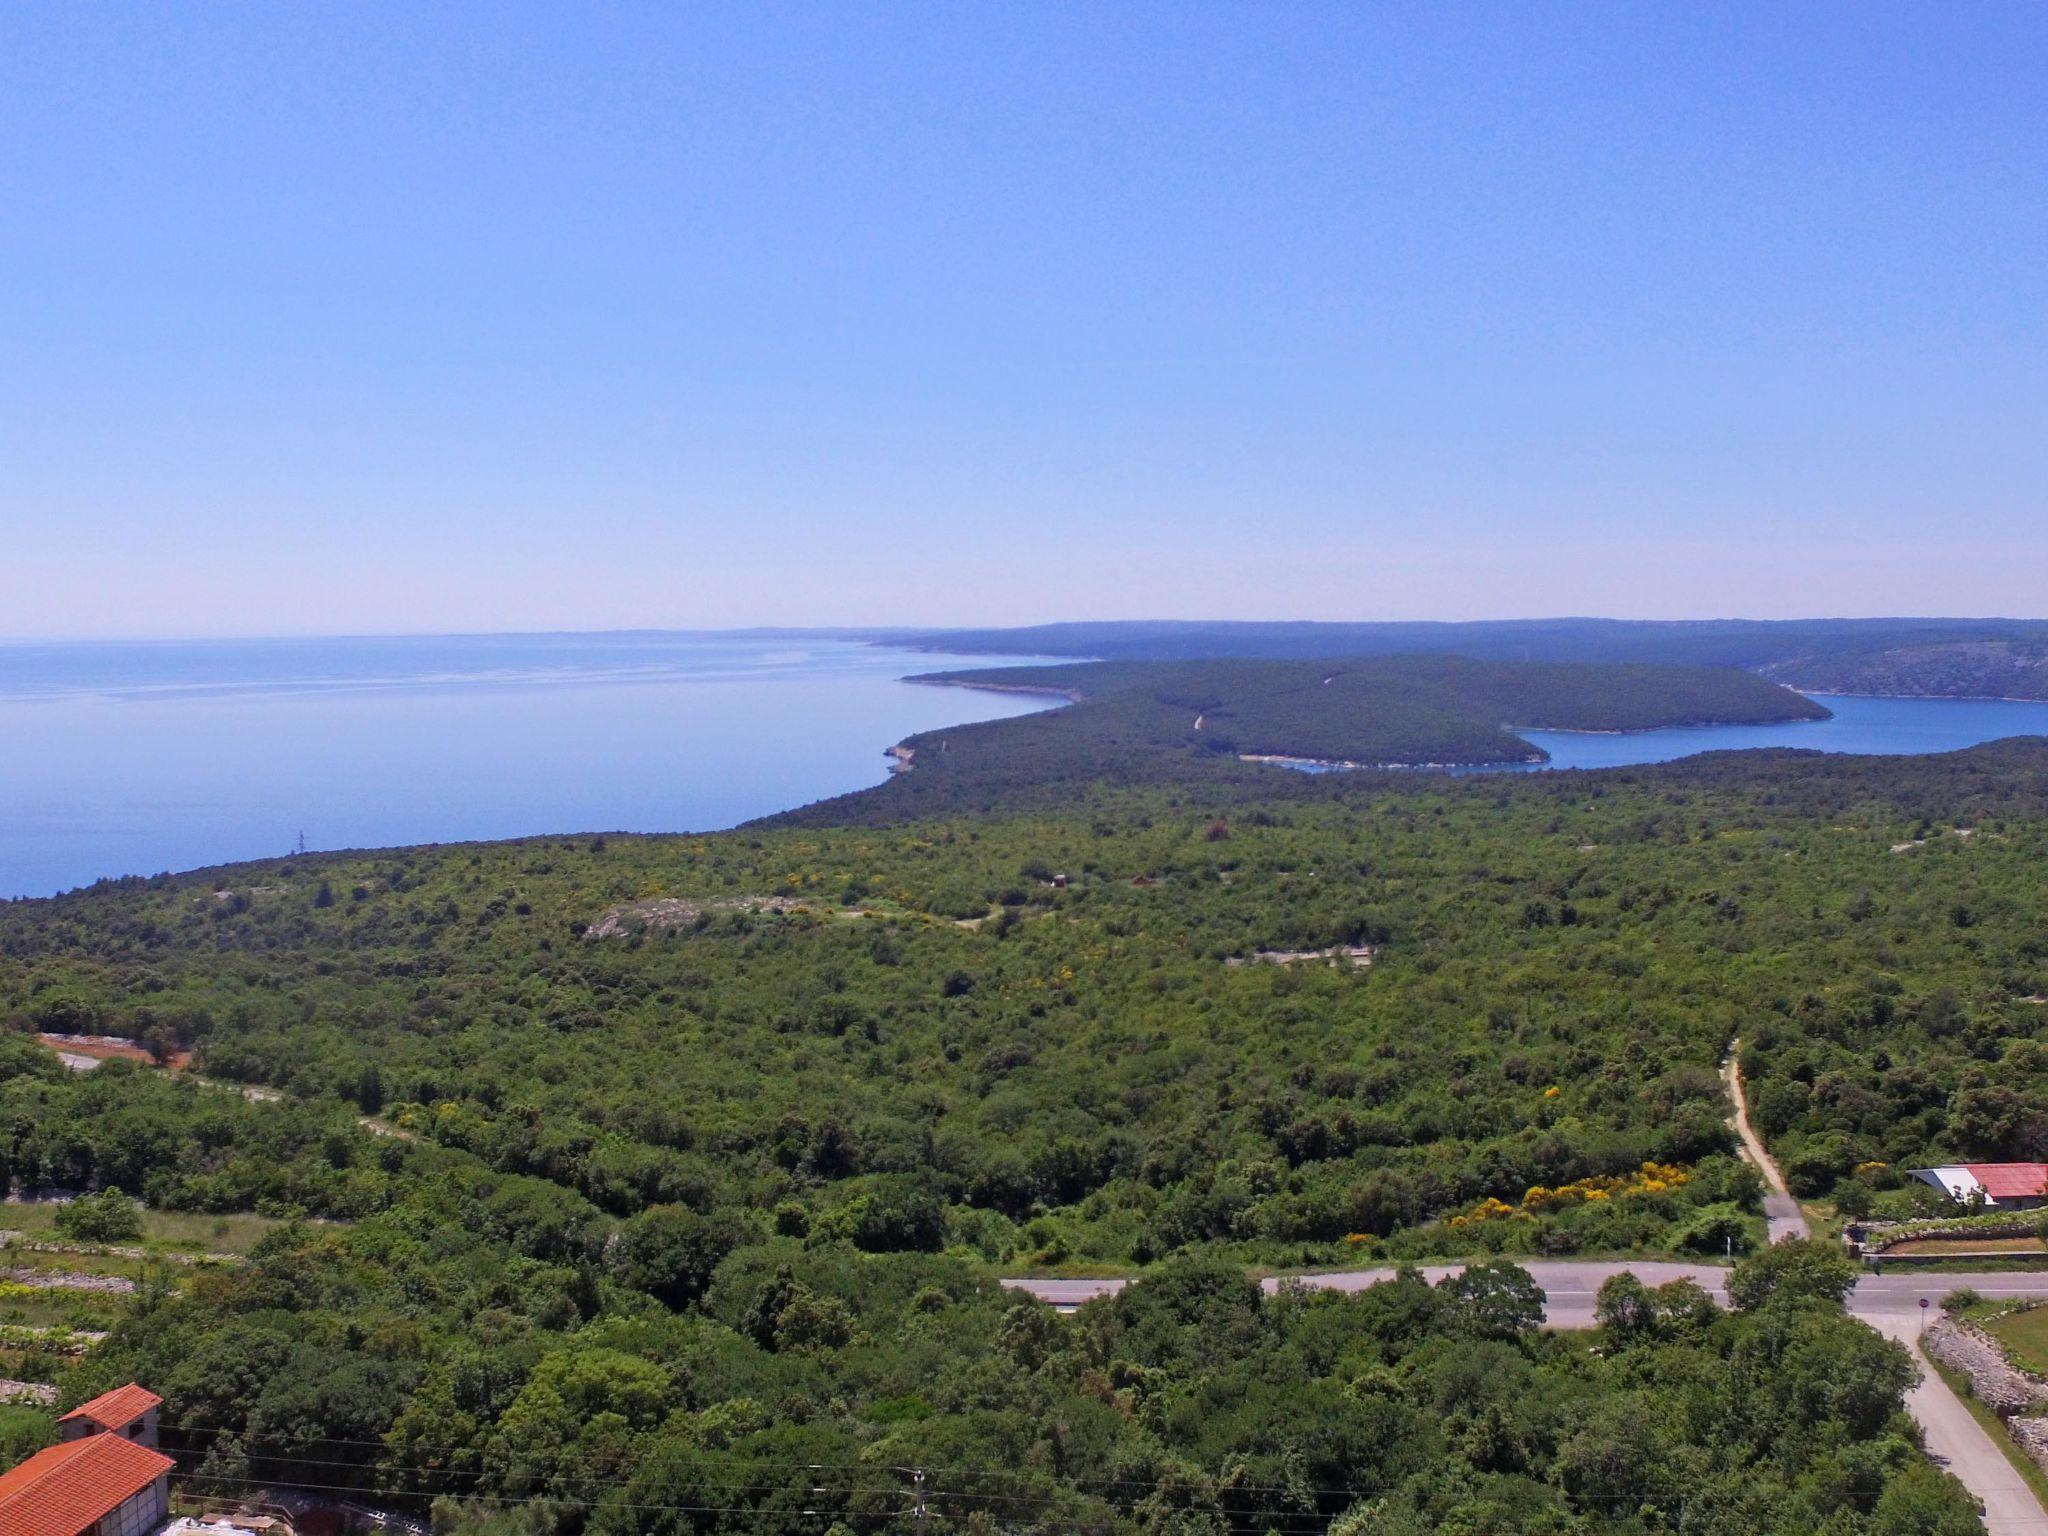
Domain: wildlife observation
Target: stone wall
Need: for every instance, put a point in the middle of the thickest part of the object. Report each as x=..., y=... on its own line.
x=2032, y=1436
x=1973, y=1353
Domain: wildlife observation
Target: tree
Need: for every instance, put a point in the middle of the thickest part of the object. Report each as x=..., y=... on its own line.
x=1920, y=1501
x=1806, y=1269
x=670, y=1251
x=1626, y=1308
x=1494, y=1299
x=899, y=1214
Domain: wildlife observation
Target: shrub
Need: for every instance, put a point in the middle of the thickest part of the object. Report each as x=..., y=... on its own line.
x=107, y=1217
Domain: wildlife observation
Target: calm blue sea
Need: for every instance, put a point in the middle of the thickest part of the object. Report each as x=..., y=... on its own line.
x=135, y=758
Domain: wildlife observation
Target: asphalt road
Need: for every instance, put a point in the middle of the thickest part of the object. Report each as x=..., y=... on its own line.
x=1960, y=1443
x=1570, y=1286
x=1889, y=1303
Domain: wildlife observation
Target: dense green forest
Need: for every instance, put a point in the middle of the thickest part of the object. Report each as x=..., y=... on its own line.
x=1983, y=658
x=1161, y=722
x=662, y=1180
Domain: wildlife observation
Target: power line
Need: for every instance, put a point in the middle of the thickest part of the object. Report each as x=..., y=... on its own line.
x=1224, y=1490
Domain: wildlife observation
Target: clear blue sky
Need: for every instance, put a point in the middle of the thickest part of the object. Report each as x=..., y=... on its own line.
x=347, y=317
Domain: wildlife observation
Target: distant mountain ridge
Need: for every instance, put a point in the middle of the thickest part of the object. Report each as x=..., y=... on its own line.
x=1934, y=657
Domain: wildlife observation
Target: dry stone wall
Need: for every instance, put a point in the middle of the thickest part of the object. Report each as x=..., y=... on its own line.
x=1973, y=1353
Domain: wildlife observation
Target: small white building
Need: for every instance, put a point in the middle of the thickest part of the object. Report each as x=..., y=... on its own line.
x=1994, y=1186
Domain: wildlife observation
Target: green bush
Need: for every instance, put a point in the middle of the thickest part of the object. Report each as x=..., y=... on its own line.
x=107, y=1217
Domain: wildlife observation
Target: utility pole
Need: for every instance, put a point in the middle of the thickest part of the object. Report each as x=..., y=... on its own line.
x=301, y=848
x=817, y=1499
x=918, y=1512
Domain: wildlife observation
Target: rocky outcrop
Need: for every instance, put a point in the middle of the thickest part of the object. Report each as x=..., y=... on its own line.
x=1994, y=1381
x=675, y=912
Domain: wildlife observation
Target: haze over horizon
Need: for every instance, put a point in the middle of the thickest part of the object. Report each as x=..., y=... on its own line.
x=373, y=320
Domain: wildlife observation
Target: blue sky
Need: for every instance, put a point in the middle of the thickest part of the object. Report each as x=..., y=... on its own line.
x=396, y=317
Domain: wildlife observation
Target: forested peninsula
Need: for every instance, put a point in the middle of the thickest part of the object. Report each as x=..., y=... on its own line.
x=1171, y=721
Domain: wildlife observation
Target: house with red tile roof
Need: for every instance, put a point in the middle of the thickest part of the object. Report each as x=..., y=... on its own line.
x=1994, y=1186
x=129, y=1412
x=100, y=1485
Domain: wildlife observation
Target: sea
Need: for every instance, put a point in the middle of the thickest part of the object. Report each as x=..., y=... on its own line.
x=135, y=758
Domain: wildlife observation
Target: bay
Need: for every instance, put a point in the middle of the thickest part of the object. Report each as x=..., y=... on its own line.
x=1866, y=726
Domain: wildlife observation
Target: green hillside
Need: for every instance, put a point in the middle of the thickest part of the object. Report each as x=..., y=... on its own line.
x=692, y=1159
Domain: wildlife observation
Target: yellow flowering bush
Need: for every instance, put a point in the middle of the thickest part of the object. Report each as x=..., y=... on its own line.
x=1650, y=1179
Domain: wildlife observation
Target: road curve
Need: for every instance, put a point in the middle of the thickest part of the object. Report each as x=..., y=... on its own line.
x=1890, y=1303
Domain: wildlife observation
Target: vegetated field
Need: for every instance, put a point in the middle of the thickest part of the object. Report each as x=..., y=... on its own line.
x=713, y=1202
x=185, y=1232
x=2025, y=1337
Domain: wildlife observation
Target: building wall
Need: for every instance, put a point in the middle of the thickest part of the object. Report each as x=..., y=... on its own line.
x=141, y=1515
x=142, y=1431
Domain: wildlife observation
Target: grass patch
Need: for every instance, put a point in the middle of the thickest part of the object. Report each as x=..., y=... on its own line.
x=173, y=1231
x=63, y=1309
x=1963, y=1247
x=25, y=1264
x=189, y=1232
x=2024, y=1337
x=2019, y=1460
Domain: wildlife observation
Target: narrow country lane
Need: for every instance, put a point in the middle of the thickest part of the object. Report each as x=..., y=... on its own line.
x=1782, y=1215
x=1961, y=1444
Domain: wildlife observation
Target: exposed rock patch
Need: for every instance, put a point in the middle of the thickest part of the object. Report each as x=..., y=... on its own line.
x=678, y=912
x=1336, y=954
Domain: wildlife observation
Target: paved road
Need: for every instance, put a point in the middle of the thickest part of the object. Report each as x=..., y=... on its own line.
x=1889, y=1303
x=1782, y=1215
x=1570, y=1286
x=1960, y=1443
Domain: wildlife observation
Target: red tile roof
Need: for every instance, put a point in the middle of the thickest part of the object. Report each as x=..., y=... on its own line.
x=62, y=1491
x=2010, y=1181
x=116, y=1409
